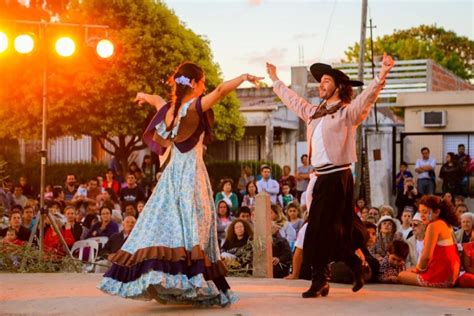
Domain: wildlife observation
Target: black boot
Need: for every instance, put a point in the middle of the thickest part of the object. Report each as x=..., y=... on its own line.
x=319, y=284
x=357, y=273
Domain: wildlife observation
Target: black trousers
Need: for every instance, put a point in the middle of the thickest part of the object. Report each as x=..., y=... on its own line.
x=334, y=231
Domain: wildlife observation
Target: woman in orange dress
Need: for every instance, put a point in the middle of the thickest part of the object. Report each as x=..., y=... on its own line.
x=439, y=263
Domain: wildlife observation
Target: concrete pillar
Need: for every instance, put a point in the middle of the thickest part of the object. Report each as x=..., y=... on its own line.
x=262, y=240
x=269, y=138
x=379, y=152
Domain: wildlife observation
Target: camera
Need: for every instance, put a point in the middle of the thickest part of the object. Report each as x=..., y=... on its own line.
x=410, y=188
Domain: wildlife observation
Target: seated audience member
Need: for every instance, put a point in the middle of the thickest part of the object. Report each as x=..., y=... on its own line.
x=415, y=242
x=285, y=197
x=364, y=214
x=4, y=221
x=140, y=207
x=281, y=254
x=130, y=210
x=237, y=250
x=406, y=219
x=223, y=220
x=295, y=216
x=52, y=242
x=394, y=262
x=15, y=223
x=466, y=277
x=249, y=197
x=463, y=235
x=371, y=229
x=106, y=227
x=87, y=222
x=386, y=233
x=374, y=215
x=27, y=218
x=55, y=209
x=11, y=238
x=360, y=204
x=439, y=264
x=228, y=196
x=299, y=270
x=71, y=223
x=387, y=210
x=117, y=240
x=245, y=214
x=459, y=210
x=286, y=229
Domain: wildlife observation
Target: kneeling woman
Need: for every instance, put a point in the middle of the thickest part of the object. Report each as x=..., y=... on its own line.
x=439, y=263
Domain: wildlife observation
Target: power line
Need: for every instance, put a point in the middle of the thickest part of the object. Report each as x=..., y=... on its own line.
x=327, y=29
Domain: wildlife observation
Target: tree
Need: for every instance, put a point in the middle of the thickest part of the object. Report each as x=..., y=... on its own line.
x=454, y=52
x=94, y=97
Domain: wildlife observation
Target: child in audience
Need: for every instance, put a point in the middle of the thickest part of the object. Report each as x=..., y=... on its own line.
x=285, y=197
x=394, y=262
x=295, y=216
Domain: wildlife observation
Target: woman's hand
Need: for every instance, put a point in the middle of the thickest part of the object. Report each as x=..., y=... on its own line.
x=152, y=99
x=272, y=72
x=253, y=79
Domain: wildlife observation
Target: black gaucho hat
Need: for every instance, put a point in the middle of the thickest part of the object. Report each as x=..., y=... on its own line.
x=319, y=69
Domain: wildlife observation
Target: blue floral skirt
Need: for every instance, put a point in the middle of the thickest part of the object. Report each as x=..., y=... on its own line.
x=172, y=253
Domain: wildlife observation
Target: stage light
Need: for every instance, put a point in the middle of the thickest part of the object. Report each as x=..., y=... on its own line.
x=105, y=48
x=24, y=44
x=3, y=42
x=65, y=46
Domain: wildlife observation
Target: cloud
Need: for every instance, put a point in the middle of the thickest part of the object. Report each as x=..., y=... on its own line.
x=275, y=55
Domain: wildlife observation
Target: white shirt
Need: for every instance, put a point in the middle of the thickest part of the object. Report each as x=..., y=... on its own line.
x=300, y=239
x=419, y=248
x=319, y=155
x=405, y=232
x=271, y=187
x=420, y=163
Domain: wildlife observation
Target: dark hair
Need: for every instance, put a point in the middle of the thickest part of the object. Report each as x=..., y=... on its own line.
x=113, y=195
x=451, y=156
x=446, y=209
x=230, y=235
x=263, y=167
x=403, y=163
x=226, y=180
x=424, y=148
x=399, y=248
x=227, y=214
x=247, y=187
x=244, y=209
x=179, y=91
x=304, y=155
x=370, y=225
x=105, y=207
x=345, y=92
x=89, y=219
x=57, y=191
x=461, y=145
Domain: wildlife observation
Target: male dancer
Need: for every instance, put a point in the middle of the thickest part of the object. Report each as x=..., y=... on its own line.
x=334, y=231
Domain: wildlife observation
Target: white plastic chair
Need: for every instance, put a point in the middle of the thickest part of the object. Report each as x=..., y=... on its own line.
x=84, y=244
x=101, y=240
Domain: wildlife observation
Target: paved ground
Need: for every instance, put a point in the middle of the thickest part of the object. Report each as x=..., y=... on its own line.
x=76, y=294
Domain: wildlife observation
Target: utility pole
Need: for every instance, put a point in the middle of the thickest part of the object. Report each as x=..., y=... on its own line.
x=360, y=77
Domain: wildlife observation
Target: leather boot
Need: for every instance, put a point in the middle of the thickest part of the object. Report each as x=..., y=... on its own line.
x=357, y=273
x=319, y=284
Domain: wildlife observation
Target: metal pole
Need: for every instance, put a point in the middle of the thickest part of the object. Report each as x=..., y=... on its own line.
x=373, y=70
x=44, y=153
x=360, y=77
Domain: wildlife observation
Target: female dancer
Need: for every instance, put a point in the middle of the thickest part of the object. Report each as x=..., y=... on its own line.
x=172, y=254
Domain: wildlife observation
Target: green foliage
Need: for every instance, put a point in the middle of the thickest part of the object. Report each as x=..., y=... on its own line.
x=12, y=256
x=454, y=52
x=56, y=174
x=232, y=169
x=88, y=96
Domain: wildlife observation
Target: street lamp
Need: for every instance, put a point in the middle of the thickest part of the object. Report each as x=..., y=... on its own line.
x=65, y=47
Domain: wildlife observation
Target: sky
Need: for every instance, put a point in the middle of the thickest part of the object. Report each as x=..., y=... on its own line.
x=244, y=34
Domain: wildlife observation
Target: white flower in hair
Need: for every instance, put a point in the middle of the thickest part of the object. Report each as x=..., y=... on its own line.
x=183, y=81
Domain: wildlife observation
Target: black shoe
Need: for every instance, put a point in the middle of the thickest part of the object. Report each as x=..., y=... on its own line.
x=317, y=290
x=358, y=278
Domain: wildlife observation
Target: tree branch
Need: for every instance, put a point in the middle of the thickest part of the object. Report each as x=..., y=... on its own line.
x=102, y=145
